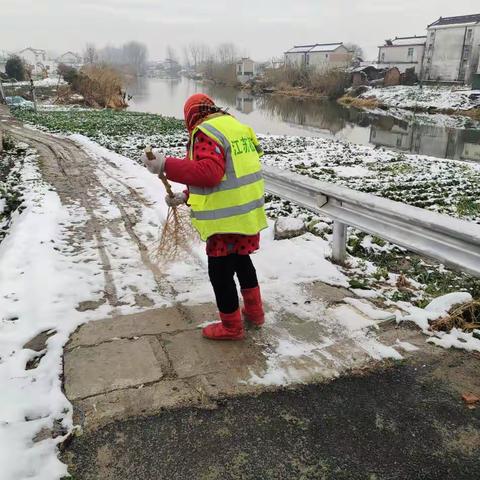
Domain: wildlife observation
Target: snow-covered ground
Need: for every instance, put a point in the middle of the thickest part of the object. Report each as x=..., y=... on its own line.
x=425, y=119
x=44, y=82
x=46, y=273
x=439, y=98
x=42, y=280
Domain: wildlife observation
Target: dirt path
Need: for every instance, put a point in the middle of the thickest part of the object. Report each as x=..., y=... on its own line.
x=73, y=174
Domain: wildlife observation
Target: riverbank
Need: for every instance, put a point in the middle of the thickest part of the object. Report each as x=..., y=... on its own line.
x=434, y=100
x=445, y=186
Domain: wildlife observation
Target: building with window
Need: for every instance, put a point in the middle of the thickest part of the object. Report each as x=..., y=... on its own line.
x=403, y=53
x=452, y=49
x=322, y=56
x=245, y=70
x=34, y=58
x=71, y=59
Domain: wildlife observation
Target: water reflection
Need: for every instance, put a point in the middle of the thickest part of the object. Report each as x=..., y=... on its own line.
x=293, y=116
x=321, y=115
x=245, y=102
x=441, y=142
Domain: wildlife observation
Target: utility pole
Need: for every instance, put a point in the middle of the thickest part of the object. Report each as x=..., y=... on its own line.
x=34, y=95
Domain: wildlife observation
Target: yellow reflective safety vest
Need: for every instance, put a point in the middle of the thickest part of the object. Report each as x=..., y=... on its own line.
x=236, y=204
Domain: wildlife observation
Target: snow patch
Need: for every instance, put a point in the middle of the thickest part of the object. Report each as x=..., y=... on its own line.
x=456, y=339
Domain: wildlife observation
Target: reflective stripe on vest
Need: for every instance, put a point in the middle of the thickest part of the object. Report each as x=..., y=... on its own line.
x=229, y=211
x=236, y=204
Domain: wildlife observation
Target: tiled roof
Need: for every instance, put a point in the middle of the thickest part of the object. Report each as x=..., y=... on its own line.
x=326, y=47
x=456, y=20
x=316, y=47
x=409, y=40
x=38, y=51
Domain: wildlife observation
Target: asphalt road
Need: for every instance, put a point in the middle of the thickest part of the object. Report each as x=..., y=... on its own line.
x=395, y=423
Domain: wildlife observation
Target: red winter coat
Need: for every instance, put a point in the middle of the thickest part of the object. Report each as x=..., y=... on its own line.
x=207, y=170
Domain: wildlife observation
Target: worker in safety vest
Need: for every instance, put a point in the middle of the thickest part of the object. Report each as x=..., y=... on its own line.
x=226, y=195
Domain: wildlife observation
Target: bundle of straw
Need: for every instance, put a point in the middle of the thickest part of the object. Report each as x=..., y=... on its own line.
x=177, y=233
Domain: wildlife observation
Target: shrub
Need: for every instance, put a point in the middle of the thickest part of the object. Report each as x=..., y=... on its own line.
x=288, y=77
x=221, y=73
x=331, y=83
x=15, y=68
x=100, y=85
x=69, y=74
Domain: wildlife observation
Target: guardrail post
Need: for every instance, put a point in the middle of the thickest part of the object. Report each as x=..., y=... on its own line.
x=339, y=242
x=2, y=93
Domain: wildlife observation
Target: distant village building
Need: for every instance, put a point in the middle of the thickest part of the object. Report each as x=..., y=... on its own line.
x=3, y=60
x=403, y=53
x=277, y=63
x=71, y=59
x=321, y=56
x=452, y=49
x=34, y=58
x=245, y=70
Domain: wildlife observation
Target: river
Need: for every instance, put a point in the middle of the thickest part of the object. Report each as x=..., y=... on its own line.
x=438, y=136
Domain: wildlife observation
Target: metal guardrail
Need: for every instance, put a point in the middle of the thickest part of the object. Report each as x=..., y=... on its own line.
x=455, y=243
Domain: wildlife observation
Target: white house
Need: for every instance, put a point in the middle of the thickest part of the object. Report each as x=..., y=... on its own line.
x=71, y=59
x=34, y=58
x=452, y=49
x=245, y=70
x=403, y=53
x=322, y=56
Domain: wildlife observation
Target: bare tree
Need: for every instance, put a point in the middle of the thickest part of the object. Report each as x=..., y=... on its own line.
x=111, y=55
x=132, y=56
x=204, y=54
x=186, y=57
x=226, y=53
x=135, y=55
x=356, y=49
x=90, y=54
x=171, y=54
x=194, y=50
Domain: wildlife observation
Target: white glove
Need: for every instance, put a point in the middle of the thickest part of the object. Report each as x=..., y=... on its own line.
x=155, y=166
x=179, y=198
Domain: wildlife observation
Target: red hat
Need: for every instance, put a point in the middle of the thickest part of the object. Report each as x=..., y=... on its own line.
x=196, y=108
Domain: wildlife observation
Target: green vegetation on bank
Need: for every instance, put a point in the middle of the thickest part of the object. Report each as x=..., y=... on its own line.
x=95, y=123
x=445, y=186
x=11, y=194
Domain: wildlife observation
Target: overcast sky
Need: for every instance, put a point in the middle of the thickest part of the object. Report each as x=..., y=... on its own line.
x=260, y=28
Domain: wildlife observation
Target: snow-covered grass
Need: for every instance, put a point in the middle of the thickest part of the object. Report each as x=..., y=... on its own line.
x=11, y=162
x=445, y=186
x=425, y=98
x=425, y=119
x=441, y=185
x=42, y=280
x=44, y=82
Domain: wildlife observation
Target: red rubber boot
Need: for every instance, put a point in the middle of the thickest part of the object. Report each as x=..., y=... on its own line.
x=253, y=309
x=230, y=328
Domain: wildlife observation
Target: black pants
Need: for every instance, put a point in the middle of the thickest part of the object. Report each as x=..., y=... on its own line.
x=221, y=271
